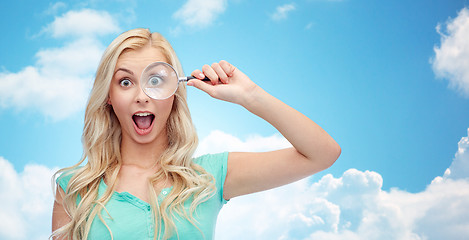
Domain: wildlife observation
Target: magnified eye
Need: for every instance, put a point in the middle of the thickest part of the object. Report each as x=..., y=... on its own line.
x=125, y=82
x=154, y=81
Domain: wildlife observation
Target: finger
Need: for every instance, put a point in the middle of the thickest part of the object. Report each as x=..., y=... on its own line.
x=198, y=74
x=208, y=88
x=210, y=73
x=227, y=68
x=220, y=72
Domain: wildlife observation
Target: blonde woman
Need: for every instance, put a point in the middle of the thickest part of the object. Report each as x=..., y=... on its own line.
x=140, y=180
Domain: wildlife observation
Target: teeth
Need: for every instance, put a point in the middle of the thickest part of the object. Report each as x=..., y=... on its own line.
x=143, y=114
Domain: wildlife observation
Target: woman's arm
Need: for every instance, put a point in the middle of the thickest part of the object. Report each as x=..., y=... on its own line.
x=59, y=215
x=313, y=149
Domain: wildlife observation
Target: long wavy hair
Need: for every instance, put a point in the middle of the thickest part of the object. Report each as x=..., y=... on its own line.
x=101, y=148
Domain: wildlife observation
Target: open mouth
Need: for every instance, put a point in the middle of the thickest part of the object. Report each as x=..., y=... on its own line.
x=143, y=121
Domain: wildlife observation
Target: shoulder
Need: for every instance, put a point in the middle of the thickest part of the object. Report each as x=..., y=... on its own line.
x=65, y=175
x=212, y=162
x=215, y=165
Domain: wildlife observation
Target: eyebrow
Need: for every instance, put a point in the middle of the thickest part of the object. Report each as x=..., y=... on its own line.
x=125, y=70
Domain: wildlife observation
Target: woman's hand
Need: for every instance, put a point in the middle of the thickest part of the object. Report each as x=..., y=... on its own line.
x=227, y=83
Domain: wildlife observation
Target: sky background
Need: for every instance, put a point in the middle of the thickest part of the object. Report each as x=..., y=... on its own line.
x=388, y=80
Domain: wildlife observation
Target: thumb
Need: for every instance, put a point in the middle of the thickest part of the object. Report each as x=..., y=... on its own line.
x=206, y=87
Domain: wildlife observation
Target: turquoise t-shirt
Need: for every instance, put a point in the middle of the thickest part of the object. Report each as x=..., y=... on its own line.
x=132, y=217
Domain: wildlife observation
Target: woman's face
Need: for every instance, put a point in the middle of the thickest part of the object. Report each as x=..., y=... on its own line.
x=142, y=119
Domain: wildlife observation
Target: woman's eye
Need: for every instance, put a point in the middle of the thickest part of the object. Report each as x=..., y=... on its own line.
x=154, y=81
x=125, y=83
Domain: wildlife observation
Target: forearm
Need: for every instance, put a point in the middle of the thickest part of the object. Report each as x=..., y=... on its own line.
x=230, y=84
x=308, y=138
x=313, y=149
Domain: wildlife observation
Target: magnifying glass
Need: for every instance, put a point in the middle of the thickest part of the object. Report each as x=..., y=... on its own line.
x=160, y=80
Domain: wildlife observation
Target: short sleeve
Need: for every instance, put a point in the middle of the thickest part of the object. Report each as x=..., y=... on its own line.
x=65, y=177
x=217, y=166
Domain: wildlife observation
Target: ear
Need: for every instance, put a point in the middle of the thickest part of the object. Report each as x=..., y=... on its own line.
x=109, y=101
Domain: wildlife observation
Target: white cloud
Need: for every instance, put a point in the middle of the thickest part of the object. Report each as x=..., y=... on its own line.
x=58, y=84
x=26, y=201
x=54, y=8
x=353, y=206
x=86, y=22
x=281, y=12
x=200, y=13
x=451, y=59
x=218, y=141
x=460, y=166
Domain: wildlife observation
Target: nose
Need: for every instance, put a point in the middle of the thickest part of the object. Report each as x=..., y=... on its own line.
x=141, y=96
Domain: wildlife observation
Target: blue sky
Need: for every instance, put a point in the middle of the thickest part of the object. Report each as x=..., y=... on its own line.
x=366, y=71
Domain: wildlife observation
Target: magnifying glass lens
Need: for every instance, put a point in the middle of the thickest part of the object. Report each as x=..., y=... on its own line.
x=159, y=80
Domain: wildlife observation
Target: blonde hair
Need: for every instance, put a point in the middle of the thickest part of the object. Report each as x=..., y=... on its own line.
x=101, y=147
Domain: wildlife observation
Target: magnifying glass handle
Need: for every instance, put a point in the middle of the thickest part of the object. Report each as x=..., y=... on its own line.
x=192, y=77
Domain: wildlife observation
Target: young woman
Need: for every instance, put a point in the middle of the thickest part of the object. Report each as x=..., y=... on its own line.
x=140, y=180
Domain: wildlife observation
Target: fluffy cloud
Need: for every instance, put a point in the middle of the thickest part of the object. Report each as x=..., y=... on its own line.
x=54, y=8
x=218, y=141
x=26, y=201
x=451, y=59
x=460, y=166
x=57, y=85
x=354, y=206
x=282, y=11
x=87, y=22
x=200, y=13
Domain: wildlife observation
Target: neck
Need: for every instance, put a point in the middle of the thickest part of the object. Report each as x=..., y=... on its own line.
x=140, y=155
